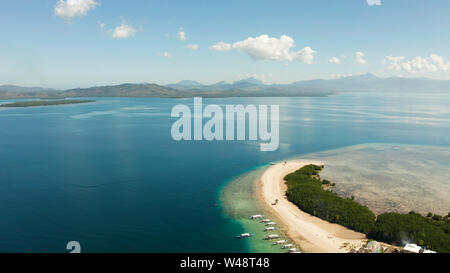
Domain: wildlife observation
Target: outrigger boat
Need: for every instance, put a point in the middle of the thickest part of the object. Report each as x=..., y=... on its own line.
x=287, y=246
x=272, y=236
x=269, y=229
x=266, y=221
x=256, y=216
x=271, y=224
x=244, y=235
x=280, y=242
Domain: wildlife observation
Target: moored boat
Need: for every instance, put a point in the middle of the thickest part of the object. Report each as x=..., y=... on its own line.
x=244, y=235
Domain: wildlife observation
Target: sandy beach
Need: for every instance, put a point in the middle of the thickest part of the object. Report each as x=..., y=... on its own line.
x=311, y=233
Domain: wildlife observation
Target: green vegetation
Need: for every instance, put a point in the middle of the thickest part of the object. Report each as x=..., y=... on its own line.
x=397, y=229
x=44, y=103
x=326, y=182
x=306, y=191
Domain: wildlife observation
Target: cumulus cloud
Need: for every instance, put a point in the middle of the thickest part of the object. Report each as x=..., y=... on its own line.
x=359, y=58
x=334, y=60
x=192, y=46
x=181, y=36
x=374, y=2
x=276, y=49
x=123, y=31
x=220, y=46
x=434, y=63
x=67, y=9
x=306, y=55
x=165, y=54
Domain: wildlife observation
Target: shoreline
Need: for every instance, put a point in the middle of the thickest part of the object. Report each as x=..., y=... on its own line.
x=310, y=233
x=40, y=103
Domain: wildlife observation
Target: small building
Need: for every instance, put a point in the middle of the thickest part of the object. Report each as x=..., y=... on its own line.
x=412, y=248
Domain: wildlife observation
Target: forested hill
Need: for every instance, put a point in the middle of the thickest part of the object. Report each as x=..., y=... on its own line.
x=125, y=90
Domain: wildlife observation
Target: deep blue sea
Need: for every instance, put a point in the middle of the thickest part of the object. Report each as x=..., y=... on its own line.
x=109, y=175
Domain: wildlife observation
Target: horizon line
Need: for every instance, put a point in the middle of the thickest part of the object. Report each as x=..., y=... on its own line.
x=225, y=82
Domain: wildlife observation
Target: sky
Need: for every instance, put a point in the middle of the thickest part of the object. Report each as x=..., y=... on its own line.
x=81, y=43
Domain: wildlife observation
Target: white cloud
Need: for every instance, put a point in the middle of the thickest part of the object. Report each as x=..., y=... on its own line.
x=181, y=36
x=261, y=77
x=123, y=31
x=220, y=46
x=306, y=55
x=165, y=54
x=374, y=2
x=335, y=60
x=67, y=9
x=267, y=48
x=434, y=63
x=101, y=25
x=359, y=58
x=192, y=46
x=337, y=76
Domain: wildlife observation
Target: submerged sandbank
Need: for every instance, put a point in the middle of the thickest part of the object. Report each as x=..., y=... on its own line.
x=391, y=177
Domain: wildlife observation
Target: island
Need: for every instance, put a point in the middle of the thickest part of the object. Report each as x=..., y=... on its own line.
x=44, y=103
x=320, y=220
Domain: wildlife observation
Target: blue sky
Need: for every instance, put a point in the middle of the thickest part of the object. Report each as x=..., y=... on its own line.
x=80, y=43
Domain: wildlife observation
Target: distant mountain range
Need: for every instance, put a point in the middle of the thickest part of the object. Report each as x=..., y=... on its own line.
x=20, y=89
x=372, y=83
x=363, y=83
x=250, y=87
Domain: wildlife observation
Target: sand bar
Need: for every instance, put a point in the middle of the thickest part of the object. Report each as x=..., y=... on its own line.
x=311, y=233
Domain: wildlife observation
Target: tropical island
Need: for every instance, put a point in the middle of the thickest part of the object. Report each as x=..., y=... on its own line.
x=44, y=103
x=323, y=221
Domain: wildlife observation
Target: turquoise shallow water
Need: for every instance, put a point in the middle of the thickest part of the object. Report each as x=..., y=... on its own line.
x=109, y=175
x=239, y=202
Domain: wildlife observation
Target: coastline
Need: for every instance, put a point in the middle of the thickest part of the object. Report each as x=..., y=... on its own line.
x=311, y=233
x=356, y=171
x=37, y=103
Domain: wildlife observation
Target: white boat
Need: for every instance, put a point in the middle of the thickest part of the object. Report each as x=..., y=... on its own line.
x=288, y=246
x=266, y=221
x=244, y=235
x=269, y=229
x=296, y=252
x=273, y=163
x=271, y=224
x=256, y=216
x=280, y=242
x=272, y=236
x=292, y=250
